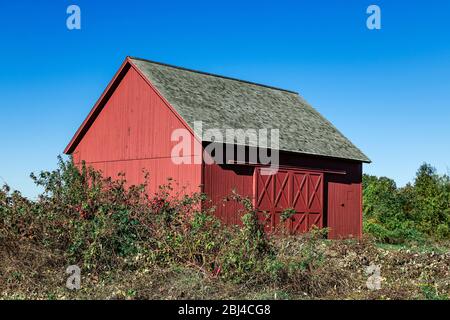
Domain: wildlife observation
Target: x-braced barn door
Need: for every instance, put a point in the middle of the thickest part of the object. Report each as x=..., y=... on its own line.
x=297, y=193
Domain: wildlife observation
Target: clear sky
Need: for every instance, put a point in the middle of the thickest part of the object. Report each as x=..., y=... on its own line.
x=387, y=90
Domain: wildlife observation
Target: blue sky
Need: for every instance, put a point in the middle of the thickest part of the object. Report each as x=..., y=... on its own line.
x=387, y=90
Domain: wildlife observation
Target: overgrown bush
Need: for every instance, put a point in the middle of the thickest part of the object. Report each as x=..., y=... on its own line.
x=183, y=232
x=416, y=212
x=247, y=253
x=101, y=225
x=95, y=222
x=122, y=236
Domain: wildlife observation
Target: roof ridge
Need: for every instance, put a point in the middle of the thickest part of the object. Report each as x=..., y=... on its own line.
x=212, y=74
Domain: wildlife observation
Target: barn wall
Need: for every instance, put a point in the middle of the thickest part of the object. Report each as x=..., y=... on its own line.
x=343, y=211
x=220, y=180
x=342, y=192
x=132, y=133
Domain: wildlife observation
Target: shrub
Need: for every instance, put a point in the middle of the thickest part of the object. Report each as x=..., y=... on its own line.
x=110, y=229
x=244, y=256
x=95, y=222
x=183, y=233
x=101, y=224
x=412, y=213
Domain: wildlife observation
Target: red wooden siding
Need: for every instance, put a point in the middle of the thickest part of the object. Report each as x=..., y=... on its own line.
x=220, y=180
x=132, y=133
x=336, y=204
x=342, y=221
x=344, y=207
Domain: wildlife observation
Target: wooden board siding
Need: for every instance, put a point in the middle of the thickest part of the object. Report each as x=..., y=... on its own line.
x=220, y=180
x=342, y=192
x=342, y=211
x=345, y=205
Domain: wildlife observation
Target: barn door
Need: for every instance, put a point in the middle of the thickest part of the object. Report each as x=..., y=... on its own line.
x=344, y=210
x=300, y=191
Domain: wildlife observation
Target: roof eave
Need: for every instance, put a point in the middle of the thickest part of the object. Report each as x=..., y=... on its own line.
x=364, y=159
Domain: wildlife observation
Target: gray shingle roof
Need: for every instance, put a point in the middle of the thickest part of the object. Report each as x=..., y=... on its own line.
x=221, y=102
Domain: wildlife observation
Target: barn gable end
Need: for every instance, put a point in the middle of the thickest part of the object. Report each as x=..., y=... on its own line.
x=132, y=132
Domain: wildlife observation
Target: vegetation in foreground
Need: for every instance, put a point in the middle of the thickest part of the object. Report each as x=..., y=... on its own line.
x=131, y=245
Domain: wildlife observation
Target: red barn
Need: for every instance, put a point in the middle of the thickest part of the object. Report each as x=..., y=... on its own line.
x=131, y=127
